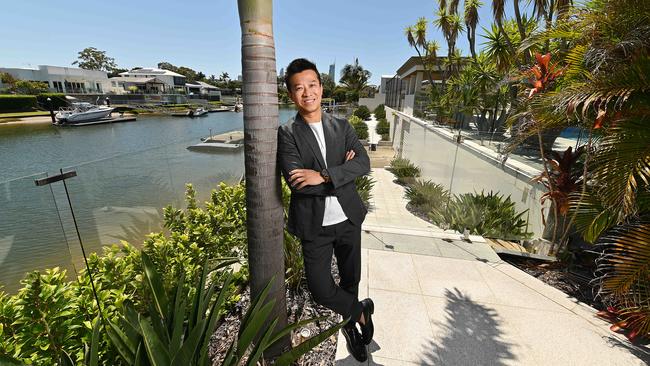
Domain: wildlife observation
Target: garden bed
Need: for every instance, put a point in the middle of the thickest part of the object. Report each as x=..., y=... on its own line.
x=300, y=306
x=573, y=281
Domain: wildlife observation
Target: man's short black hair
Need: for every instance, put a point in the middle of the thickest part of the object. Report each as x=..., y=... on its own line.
x=299, y=65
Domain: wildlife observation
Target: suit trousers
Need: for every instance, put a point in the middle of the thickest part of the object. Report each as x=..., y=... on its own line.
x=344, y=239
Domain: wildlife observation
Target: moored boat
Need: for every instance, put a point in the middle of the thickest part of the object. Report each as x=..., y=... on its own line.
x=81, y=112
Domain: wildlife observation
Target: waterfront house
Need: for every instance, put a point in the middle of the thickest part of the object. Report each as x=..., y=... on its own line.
x=167, y=82
x=70, y=80
x=203, y=90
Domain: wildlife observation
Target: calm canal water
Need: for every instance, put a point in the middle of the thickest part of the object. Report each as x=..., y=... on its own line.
x=127, y=172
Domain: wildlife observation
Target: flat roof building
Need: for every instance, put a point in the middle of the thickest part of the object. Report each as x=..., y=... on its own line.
x=64, y=79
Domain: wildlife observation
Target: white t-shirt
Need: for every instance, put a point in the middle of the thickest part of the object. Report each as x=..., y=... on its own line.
x=333, y=210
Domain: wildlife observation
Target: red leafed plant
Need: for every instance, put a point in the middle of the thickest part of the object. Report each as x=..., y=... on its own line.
x=543, y=73
x=562, y=176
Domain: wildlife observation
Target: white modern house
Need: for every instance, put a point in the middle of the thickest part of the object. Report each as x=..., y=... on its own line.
x=202, y=88
x=149, y=79
x=64, y=79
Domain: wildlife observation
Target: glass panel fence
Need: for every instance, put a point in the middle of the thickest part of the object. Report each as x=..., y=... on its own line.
x=122, y=197
x=32, y=236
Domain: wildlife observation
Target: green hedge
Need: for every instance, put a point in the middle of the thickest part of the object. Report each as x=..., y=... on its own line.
x=360, y=127
x=58, y=100
x=362, y=112
x=380, y=112
x=17, y=103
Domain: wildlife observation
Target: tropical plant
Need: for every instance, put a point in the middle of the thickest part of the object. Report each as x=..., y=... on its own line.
x=416, y=36
x=404, y=170
x=562, y=180
x=604, y=91
x=490, y=215
x=263, y=192
x=624, y=275
x=362, y=112
x=383, y=129
x=355, y=78
x=427, y=197
x=380, y=112
x=471, y=21
x=360, y=127
x=364, y=186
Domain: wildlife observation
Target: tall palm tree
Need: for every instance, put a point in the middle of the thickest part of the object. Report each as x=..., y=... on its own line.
x=471, y=21
x=265, y=216
x=498, y=11
x=355, y=77
x=416, y=36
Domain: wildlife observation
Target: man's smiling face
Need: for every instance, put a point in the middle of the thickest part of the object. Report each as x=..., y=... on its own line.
x=306, y=91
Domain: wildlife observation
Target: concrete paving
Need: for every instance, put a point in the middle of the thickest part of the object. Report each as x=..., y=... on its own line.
x=444, y=301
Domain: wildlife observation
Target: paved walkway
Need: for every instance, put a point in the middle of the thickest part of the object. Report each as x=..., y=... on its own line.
x=443, y=301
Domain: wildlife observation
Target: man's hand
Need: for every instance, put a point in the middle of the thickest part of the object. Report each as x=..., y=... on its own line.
x=349, y=155
x=305, y=177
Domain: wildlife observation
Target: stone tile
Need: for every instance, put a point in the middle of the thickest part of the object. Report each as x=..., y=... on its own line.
x=508, y=291
x=383, y=361
x=370, y=241
x=564, y=339
x=392, y=271
x=410, y=244
x=547, y=291
x=440, y=276
x=400, y=332
x=466, y=332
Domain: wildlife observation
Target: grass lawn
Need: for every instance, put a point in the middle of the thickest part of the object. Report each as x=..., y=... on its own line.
x=24, y=114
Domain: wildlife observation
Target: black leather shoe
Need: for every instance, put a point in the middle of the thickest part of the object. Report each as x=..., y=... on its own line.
x=368, y=329
x=354, y=343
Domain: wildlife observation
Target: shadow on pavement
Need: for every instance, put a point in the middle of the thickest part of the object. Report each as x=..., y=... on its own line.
x=470, y=335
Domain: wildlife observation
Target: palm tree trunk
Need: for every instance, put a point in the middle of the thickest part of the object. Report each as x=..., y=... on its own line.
x=265, y=216
x=522, y=30
x=471, y=39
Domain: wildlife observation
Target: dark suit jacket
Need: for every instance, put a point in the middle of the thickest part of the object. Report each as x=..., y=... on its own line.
x=298, y=149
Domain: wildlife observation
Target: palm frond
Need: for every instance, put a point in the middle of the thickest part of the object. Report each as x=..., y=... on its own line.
x=624, y=274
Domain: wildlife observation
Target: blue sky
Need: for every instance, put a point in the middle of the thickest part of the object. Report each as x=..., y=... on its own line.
x=205, y=35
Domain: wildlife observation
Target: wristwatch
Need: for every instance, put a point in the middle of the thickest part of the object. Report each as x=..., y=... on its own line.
x=326, y=175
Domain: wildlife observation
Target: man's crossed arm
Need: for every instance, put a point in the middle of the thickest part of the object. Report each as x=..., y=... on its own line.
x=309, y=181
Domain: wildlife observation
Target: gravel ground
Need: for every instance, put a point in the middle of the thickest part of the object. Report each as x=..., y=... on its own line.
x=300, y=306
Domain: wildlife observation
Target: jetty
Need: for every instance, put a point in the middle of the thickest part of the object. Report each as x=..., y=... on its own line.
x=98, y=122
x=229, y=141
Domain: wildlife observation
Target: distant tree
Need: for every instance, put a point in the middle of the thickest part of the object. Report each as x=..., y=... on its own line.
x=117, y=71
x=339, y=94
x=93, y=59
x=328, y=85
x=224, y=77
x=29, y=87
x=355, y=78
x=200, y=76
x=7, y=78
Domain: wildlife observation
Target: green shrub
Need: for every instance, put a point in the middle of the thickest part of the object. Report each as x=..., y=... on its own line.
x=490, y=215
x=380, y=112
x=364, y=188
x=58, y=100
x=17, y=103
x=360, y=127
x=383, y=128
x=426, y=196
x=362, y=112
x=404, y=170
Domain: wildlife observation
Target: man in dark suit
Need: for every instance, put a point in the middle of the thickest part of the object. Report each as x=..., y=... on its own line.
x=320, y=157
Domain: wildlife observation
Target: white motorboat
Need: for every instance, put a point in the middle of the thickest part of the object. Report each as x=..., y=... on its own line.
x=83, y=112
x=199, y=112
